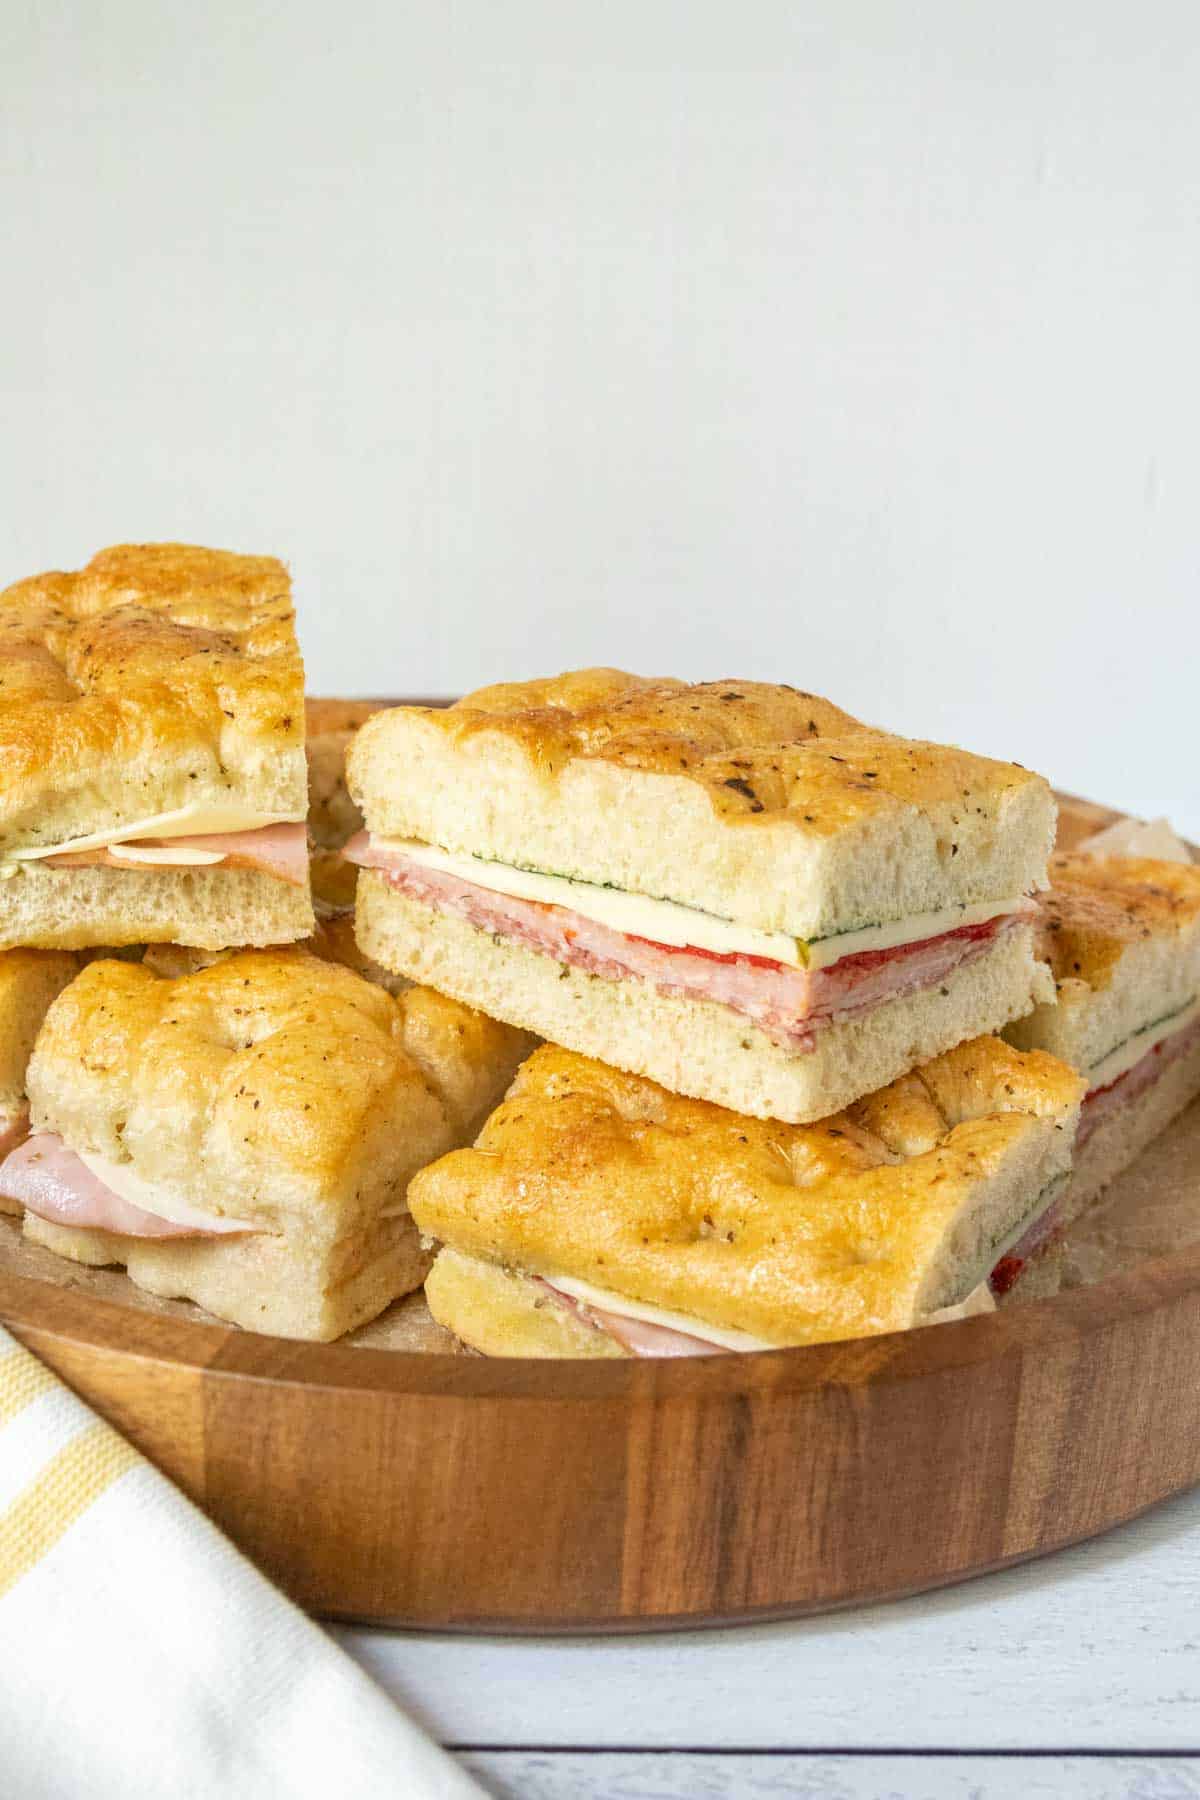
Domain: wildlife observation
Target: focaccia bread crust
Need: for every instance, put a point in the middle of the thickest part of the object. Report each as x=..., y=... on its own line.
x=291, y=1285
x=272, y=1087
x=757, y=802
x=268, y=1084
x=77, y=909
x=1099, y=907
x=1122, y=938
x=865, y=1222
x=158, y=676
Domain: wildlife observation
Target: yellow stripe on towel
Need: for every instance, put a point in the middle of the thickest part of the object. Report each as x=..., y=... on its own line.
x=58, y=1495
x=22, y=1379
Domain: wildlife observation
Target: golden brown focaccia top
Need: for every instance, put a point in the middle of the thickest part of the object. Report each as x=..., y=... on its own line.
x=760, y=803
x=267, y=1071
x=786, y=1231
x=1097, y=907
x=756, y=748
x=470, y=1056
x=157, y=675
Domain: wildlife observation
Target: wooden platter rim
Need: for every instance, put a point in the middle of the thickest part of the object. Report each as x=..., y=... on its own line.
x=30, y=1307
x=645, y=1494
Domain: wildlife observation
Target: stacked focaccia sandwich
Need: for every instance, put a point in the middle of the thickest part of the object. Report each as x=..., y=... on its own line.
x=236, y=1126
x=766, y=939
x=734, y=889
x=152, y=772
x=599, y=1215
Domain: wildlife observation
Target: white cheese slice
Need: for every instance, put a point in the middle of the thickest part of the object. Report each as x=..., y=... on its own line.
x=624, y=1308
x=1125, y=1057
x=152, y=1197
x=914, y=930
x=979, y=1300
x=198, y=819
x=164, y=858
x=668, y=922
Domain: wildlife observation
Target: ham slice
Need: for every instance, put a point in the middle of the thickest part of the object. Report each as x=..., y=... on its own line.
x=51, y=1181
x=789, y=1004
x=641, y=1337
x=1101, y=1103
x=636, y=1335
x=1009, y=1270
x=645, y=1339
x=279, y=850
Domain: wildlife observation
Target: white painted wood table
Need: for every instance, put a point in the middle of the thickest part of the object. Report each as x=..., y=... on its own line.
x=1077, y=1675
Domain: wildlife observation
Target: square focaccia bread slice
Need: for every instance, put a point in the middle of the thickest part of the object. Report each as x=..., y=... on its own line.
x=29, y=981
x=152, y=772
x=333, y=817
x=1122, y=937
x=598, y=1215
x=733, y=888
x=243, y=1136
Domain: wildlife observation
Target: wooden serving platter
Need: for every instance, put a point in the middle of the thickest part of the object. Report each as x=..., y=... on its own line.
x=389, y=1478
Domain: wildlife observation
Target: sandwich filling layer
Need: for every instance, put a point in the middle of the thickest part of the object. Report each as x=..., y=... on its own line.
x=1104, y=1100
x=1034, y=1238
x=189, y=837
x=655, y=1331
x=789, y=989
x=88, y=1192
x=1133, y=1050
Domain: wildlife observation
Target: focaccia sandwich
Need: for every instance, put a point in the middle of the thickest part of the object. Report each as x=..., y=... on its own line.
x=732, y=888
x=152, y=772
x=244, y=1135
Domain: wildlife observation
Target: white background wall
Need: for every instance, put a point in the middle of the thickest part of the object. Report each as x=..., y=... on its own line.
x=851, y=343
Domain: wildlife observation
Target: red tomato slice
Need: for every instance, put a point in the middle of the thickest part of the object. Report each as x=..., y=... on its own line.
x=1005, y=1274
x=859, y=959
x=721, y=956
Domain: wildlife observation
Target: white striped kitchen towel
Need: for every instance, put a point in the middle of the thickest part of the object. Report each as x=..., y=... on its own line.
x=141, y=1654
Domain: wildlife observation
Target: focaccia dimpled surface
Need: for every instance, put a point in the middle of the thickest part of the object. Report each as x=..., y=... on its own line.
x=1098, y=907
x=759, y=802
x=862, y=1223
x=158, y=676
x=268, y=1085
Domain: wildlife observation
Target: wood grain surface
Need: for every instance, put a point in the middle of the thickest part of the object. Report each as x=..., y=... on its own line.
x=390, y=1480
